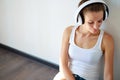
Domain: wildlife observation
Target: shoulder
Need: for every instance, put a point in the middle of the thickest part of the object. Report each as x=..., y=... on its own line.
x=108, y=41
x=108, y=38
x=68, y=30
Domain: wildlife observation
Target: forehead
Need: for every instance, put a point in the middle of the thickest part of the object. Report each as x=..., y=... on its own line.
x=93, y=15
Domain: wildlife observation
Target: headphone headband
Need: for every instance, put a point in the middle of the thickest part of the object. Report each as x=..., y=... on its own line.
x=86, y=4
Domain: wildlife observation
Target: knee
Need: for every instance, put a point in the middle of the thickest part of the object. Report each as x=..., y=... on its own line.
x=59, y=76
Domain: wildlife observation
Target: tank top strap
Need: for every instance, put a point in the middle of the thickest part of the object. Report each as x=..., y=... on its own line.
x=99, y=41
x=72, y=35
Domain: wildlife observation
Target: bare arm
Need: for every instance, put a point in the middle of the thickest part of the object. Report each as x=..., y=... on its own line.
x=64, y=57
x=109, y=55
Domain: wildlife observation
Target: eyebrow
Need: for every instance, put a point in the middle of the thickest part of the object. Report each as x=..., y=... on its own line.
x=98, y=20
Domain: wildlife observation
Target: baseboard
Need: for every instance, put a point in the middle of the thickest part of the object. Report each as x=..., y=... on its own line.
x=29, y=56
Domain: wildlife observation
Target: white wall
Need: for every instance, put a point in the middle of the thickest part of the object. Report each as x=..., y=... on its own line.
x=113, y=27
x=36, y=26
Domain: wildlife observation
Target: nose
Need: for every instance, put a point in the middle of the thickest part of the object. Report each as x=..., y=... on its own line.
x=96, y=26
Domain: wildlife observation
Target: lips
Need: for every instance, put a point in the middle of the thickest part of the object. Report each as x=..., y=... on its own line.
x=95, y=30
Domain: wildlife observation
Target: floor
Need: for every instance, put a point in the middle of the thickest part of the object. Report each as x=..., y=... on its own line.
x=16, y=67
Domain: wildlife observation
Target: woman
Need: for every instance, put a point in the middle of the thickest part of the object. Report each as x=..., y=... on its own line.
x=84, y=45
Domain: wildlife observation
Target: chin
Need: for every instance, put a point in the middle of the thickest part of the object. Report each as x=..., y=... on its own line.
x=94, y=31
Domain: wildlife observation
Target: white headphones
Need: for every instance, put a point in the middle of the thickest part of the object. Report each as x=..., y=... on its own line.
x=78, y=18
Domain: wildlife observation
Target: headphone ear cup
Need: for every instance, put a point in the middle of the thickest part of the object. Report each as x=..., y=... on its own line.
x=79, y=20
x=106, y=14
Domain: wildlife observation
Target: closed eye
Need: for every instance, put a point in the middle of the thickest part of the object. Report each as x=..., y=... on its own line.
x=100, y=21
x=90, y=22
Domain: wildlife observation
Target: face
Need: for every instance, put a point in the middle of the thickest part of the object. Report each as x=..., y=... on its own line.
x=93, y=21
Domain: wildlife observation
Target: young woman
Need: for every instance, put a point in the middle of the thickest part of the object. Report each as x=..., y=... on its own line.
x=84, y=45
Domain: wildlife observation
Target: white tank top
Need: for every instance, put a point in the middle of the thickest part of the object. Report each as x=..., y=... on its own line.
x=85, y=62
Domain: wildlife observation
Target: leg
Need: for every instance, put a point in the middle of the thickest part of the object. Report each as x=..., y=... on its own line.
x=59, y=76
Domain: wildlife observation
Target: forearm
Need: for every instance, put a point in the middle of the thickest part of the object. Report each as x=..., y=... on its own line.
x=108, y=77
x=67, y=73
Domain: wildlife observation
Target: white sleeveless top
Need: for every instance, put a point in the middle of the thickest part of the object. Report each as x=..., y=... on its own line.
x=85, y=62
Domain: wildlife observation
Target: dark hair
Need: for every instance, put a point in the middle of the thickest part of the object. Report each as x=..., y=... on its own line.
x=95, y=7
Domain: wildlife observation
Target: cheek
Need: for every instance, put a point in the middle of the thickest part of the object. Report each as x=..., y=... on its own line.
x=100, y=24
x=90, y=26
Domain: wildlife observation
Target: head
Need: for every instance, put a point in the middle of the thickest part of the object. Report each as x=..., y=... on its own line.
x=91, y=13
